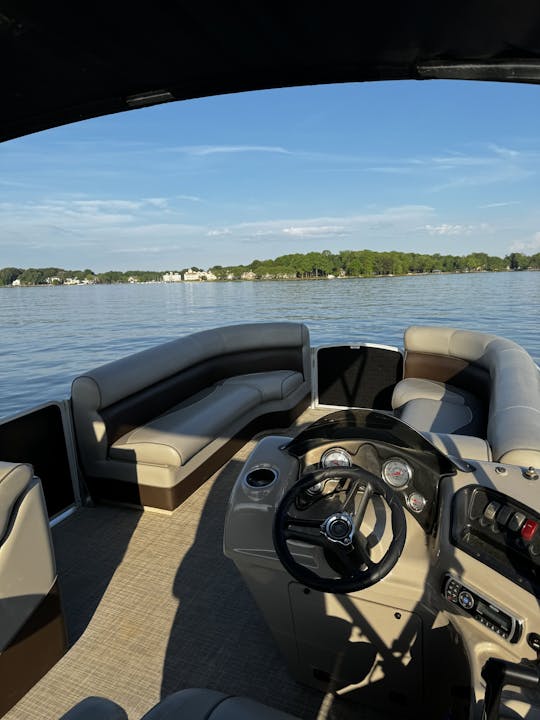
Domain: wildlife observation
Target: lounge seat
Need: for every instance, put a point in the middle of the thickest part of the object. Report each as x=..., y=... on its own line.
x=151, y=427
x=471, y=388
x=438, y=406
x=192, y=704
x=175, y=437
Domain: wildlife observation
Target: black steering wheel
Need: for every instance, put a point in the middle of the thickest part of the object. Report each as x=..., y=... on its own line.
x=345, y=549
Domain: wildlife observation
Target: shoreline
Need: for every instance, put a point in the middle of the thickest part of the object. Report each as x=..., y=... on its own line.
x=273, y=279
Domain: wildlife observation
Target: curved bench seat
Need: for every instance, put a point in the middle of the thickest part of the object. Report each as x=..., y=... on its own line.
x=470, y=383
x=175, y=437
x=151, y=427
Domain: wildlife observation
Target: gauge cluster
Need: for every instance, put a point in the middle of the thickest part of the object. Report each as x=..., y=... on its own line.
x=414, y=480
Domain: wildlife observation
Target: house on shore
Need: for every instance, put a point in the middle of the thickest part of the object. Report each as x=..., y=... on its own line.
x=172, y=277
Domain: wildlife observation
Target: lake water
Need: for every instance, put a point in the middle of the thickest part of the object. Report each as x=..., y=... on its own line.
x=52, y=334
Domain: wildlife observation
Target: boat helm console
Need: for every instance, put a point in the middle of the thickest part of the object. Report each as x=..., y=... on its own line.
x=398, y=555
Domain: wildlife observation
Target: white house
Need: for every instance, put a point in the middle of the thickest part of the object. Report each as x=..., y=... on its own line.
x=191, y=275
x=172, y=277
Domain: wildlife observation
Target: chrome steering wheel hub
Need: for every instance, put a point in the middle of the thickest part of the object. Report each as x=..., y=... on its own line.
x=339, y=528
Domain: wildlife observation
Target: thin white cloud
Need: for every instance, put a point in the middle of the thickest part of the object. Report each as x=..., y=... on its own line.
x=451, y=161
x=191, y=198
x=104, y=205
x=315, y=230
x=218, y=232
x=504, y=174
x=503, y=151
x=390, y=170
x=225, y=149
x=456, y=229
x=135, y=250
x=500, y=204
x=157, y=202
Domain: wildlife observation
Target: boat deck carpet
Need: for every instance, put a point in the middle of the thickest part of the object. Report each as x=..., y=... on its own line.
x=153, y=606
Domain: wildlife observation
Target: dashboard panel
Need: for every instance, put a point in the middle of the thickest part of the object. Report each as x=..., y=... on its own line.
x=410, y=473
x=500, y=532
x=382, y=445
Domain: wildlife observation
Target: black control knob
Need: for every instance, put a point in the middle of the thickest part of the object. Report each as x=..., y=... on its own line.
x=466, y=600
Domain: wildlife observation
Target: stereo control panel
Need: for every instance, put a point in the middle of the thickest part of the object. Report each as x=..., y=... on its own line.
x=482, y=610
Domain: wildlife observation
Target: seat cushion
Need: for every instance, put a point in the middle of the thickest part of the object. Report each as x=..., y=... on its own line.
x=418, y=388
x=438, y=407
x=175, y=437
x=200, y=704
x=439, y=417
x=274, y=385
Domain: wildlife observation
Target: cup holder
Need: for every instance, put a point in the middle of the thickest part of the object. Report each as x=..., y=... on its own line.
x=261, y=477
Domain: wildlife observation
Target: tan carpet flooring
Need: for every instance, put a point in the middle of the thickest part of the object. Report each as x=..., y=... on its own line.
x=153, y=606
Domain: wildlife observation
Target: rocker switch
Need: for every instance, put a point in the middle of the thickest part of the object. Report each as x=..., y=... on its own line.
x=528, y=530
x=516, y=521
x=491, y=510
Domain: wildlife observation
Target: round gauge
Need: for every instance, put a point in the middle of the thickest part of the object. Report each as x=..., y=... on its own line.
x=416, y=502
x=396, y=472
x=336, y=457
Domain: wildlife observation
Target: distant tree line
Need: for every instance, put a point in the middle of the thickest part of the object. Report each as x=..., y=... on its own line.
x=357, y=263
x=347, y=263
x=59, y=276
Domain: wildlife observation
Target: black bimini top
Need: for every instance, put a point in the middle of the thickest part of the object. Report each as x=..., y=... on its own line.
x=63, y=62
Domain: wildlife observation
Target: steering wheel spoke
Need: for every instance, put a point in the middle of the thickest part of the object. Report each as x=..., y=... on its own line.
x=304, y=529
x=363, y=554
x=362, y=507
x=346, y=560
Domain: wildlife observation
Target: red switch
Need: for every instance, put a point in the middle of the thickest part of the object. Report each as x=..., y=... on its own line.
x=528, y=530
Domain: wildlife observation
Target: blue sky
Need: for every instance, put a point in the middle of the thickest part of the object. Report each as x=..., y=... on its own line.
x=447, y=167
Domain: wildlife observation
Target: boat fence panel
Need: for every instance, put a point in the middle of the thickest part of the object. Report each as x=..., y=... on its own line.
x=357, y=375
x=38, y=437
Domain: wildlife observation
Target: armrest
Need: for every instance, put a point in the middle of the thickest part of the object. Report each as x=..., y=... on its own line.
x=14, y=479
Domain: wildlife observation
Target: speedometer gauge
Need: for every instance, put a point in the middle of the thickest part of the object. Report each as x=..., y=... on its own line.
x=336, y=457
x=396, y=472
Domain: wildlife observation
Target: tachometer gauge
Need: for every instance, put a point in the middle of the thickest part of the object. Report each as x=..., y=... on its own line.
x=336, y=457
x=397, y=473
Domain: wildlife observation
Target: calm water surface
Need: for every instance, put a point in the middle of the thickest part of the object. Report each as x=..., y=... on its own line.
x=52, y=334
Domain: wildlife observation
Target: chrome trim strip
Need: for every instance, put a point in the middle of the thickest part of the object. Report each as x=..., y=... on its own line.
x=57, y=519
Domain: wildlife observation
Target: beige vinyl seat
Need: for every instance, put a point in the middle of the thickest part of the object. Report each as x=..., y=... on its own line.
x=153, y=426
x=32, y=632
x=474, y=394
x=191, y=704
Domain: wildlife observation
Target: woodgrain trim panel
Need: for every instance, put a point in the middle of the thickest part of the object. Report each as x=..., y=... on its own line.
x=448, y=369
x=38, y=645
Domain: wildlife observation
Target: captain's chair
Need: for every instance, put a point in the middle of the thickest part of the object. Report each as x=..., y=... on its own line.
x=192, y=704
